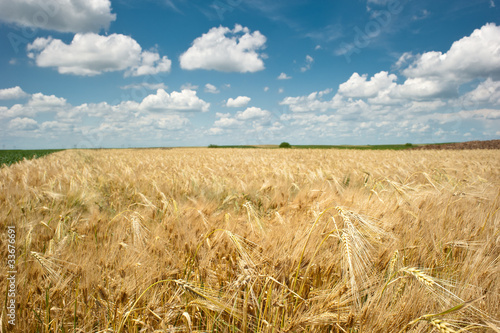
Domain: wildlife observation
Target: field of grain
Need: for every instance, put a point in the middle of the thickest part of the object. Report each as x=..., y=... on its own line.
x=254, y=240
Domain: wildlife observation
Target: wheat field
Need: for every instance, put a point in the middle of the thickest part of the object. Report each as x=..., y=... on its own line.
x=254, y=240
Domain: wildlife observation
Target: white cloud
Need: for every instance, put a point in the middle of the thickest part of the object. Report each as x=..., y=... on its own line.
x=210, y=88
x=238, y=102
x=226, y=50
x=307, y=66
x=486, y=92
x=189, y=86
x=55, y=126
x=359, y=87
x=23, y=124
x=434, y=75
x=222, y=115
x=252, y=113
x=91, y=54
x=281, y=90
x=150, y=64
x=58, y=15
x=75, y=125
x=424, y=106
x=171, y=122
x=404, y=59
x=37, y=103
x=227, y=122
x=424, y=88
x=419, y=128
x=266, y=89
x=186, y=100
x=40, y=100
x=312, y=102
x=145, y=85
x=491, y=114
x=283, y=76
x=382, y=89
x=12, y=93
x=215, y=131
x=468, y=58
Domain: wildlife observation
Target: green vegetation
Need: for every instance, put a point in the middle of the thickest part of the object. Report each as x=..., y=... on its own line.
x=9, y=157
x=285, y=145
x=366, y=147
x=232, y=146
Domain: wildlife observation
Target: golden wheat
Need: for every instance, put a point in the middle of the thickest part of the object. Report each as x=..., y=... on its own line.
x=258, y=240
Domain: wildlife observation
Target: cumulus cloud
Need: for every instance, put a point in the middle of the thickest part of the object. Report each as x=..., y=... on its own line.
x=58, y=15
x=12, y=93
x=23, y=124
x=253, y=116
x=40, y=100
x=91, y=54
x=359, y=87
x=150, y=64
x=185, y=100
x=424, y=106
x=215, y=131
x=435, y=74
x=160, y=116
x=490, y=114
x=55, y=126
x=37, y=103
x=471, y=57
x=425, y=88
x=210, y=88
x=226, y=50
x=252, y=113
x=227, y=122
x=312, y=102
x=238, y=102
x=283, y=76
x=170, y=122
x=486, y=92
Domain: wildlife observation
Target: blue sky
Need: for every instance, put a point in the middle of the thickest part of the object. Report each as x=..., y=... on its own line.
x=132, y=73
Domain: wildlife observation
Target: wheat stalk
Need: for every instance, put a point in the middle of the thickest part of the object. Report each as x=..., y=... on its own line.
x=419, y=275
x=441, y=325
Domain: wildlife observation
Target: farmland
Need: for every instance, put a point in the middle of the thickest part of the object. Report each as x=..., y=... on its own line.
x=7, y=157
x=254, y=240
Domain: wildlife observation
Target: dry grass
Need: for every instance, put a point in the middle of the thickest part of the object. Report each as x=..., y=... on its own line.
x=205, y=240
